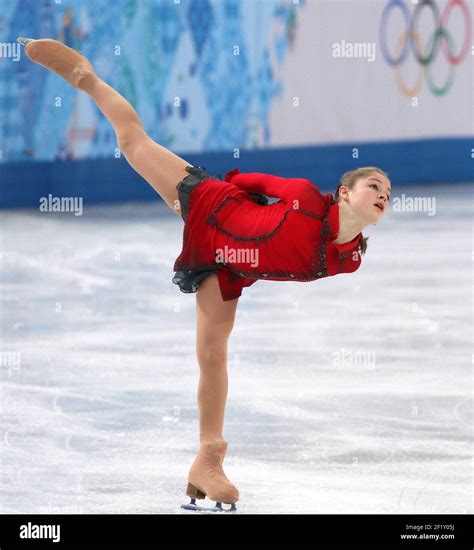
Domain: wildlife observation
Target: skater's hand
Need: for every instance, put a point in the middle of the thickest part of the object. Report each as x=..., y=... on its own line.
x=259, y=198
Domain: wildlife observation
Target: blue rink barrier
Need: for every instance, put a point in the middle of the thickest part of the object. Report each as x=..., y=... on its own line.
x=22, y=184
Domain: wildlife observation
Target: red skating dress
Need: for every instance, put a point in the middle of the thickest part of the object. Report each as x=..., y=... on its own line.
x=290, y=240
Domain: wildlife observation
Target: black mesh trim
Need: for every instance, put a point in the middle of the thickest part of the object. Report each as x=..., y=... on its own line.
x=187, y=185
x=189, y=280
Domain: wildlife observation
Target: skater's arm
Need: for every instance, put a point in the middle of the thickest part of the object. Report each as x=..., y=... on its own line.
x=287, y=189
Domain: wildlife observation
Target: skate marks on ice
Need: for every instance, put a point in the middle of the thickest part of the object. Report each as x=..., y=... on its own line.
x=98, y=404
x=363, y=459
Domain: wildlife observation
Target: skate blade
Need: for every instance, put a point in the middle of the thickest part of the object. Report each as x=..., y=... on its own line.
x=24, y=41
x=217, y=508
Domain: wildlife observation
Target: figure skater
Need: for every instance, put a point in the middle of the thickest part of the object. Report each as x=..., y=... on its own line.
x=232, y=237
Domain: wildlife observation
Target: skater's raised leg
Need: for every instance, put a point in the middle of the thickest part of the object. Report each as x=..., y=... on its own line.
x=214, y=323
x=161, y=168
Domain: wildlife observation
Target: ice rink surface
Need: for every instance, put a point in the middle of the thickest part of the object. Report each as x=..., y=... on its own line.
x=352, y=394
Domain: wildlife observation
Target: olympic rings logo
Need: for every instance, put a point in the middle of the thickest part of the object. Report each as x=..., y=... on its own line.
x=411, y=39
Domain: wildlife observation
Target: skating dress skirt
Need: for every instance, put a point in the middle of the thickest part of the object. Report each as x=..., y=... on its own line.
x=232, y=230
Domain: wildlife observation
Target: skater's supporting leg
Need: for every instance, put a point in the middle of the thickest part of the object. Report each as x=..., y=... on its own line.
x=214, y=323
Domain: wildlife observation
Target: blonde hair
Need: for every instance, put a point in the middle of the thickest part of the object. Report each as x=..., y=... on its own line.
x=349, y=179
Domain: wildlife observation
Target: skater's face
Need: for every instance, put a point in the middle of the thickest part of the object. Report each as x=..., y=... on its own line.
x=369, y=198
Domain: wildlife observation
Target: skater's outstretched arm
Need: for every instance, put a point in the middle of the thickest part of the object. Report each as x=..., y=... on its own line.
x=287, y=189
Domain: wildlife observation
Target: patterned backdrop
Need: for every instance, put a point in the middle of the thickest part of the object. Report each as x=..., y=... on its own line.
x=217, y=96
